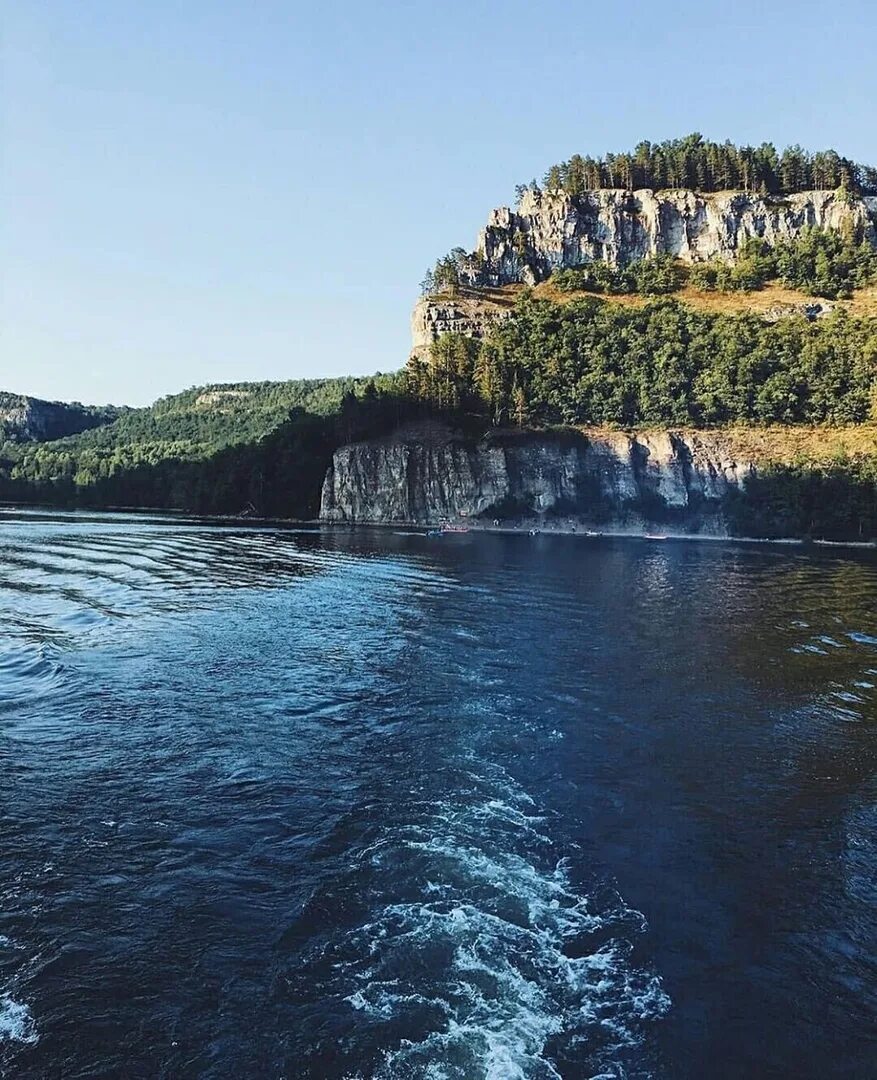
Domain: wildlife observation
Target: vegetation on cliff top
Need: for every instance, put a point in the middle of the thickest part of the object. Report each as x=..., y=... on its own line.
x=697, y=163
x=821, y=262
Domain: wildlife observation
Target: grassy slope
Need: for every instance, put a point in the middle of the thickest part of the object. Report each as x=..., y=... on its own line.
x=773, y=295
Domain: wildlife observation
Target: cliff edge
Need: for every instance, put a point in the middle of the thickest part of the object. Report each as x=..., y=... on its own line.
x=608, y=479
x=552, y=230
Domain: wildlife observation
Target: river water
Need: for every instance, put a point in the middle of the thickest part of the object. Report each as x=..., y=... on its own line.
x=284, y=803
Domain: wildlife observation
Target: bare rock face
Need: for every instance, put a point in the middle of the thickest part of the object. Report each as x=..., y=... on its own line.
x=472, y=316
x=551, y=230
x=608, y=480
x=27, y=419
x=812, y=311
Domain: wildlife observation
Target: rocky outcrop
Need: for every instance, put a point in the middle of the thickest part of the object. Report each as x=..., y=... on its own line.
x=472, y=315
x=27, y=419
x=550, y=230
x=613, y=479
x=820, y=309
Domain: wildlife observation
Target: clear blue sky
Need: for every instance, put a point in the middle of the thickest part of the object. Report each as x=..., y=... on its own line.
x=198, y=191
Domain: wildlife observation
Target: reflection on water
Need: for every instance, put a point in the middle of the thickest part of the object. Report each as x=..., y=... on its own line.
x=361, y=804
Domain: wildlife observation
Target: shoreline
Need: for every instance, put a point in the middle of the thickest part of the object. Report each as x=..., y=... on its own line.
x=531, y=530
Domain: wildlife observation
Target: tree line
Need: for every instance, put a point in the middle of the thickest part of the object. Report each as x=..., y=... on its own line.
x=821, y=262
x=702, y=165
x=215, y=449
x=653, y=276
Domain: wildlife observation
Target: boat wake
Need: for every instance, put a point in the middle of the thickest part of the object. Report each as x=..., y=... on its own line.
x=16, y=1022
x=496, y=966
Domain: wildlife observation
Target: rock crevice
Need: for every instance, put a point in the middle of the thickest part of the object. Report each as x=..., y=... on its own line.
x=551, y=230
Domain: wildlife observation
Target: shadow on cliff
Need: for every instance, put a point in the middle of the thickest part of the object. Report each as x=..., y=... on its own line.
x=836, y=502
x=279, y=475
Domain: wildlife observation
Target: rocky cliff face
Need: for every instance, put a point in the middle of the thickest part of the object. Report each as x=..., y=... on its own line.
x=471, y=315
x=552, y=230
x=27, y=419
x=610, y=480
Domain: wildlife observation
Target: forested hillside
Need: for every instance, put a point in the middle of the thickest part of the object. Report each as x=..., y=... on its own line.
x=587, y=362
x=30, y=419
x=207, y=448
x=593, y=362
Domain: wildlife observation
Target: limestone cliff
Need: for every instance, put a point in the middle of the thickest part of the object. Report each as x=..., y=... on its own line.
x=422, y=476
x=551, y=230
x=470, y=314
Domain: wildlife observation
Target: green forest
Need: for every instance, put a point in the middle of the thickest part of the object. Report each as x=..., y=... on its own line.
x=264, y=447
x=697, y=163
x=213, y=449
x=593, y=362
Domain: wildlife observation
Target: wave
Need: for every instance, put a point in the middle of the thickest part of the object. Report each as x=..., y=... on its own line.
x=16, y=1022
x=30, y=670
x=499, y=967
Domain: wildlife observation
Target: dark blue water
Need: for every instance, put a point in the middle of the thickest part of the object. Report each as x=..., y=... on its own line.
x=279, y=803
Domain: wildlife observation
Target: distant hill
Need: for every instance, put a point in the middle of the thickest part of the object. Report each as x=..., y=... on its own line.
x=218, y=448
x=27, y=419
x=203, y=419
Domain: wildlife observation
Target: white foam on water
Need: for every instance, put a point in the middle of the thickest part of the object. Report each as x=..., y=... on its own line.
x=501, y=960
x=16, y=1022
x=810, y=648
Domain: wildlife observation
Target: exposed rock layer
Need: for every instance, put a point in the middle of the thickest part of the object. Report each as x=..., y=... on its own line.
x=552, y=230
x=610, y=479
x=470, y=315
